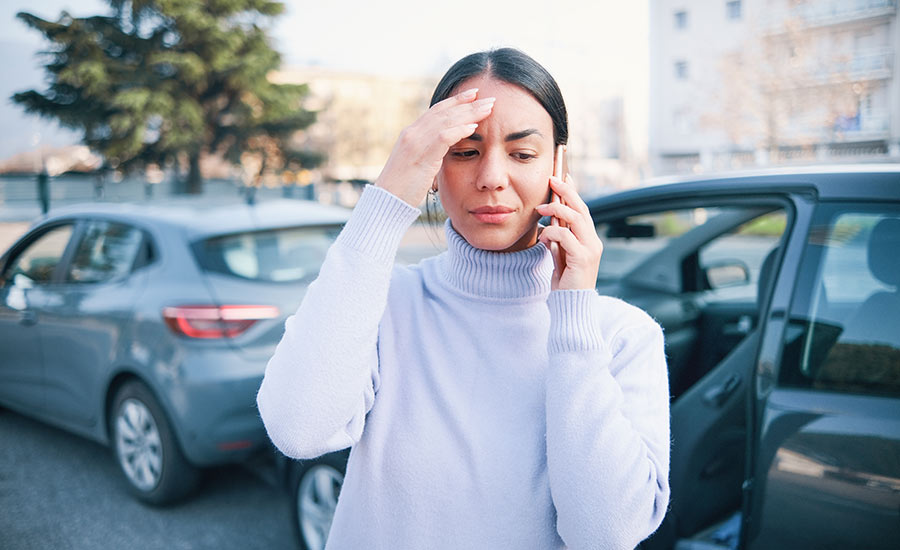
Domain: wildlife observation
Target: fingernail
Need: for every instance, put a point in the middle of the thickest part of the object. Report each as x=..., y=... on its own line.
x=486, y=101
x=485, y=107
x=472, y=126
x=468, y=94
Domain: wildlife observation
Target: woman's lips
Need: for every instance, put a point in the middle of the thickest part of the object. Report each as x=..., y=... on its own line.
x=492, y=214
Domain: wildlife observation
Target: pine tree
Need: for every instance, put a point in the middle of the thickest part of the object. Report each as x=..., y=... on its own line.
x=163, y=81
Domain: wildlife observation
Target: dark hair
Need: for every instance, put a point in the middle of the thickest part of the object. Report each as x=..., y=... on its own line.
x=513, y=67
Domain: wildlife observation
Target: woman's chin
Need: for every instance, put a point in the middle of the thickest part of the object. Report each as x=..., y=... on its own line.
x=500, y=240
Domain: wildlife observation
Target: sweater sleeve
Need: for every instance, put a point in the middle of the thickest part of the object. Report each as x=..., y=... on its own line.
x=321, y=382
x=607, y=421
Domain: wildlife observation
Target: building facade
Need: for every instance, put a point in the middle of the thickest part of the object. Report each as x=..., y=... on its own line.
x=750, y=83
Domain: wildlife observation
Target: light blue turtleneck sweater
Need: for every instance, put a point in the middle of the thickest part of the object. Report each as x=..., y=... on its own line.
x=484, y=410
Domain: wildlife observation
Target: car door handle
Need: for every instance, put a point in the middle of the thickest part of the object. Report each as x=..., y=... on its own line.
x=690, y=309
x=741, y=327
x=718, y=395
x=28, y=318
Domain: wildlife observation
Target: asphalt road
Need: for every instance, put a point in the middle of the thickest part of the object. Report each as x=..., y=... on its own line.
x=58, y=491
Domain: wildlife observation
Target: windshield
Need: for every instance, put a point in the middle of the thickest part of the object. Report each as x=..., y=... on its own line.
x=280, y=255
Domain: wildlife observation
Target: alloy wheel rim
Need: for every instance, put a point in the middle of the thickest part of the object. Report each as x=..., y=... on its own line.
x=317, y=499
x=138, y=444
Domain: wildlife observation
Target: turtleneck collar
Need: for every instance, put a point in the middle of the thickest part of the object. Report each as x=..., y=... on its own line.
x=504, y=275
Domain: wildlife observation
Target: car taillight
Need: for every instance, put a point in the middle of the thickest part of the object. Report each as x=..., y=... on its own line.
x=215, y=321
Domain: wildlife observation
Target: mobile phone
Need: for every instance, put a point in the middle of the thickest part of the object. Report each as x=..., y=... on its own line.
x=558, y=159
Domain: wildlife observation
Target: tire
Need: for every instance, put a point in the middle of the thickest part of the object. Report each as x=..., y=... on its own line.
x=148, y=455
x=314, y=488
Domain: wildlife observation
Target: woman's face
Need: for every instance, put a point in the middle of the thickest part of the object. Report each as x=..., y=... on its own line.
x=490, y=183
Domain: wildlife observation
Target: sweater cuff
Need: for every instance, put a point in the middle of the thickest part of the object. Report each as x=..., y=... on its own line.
x=378, y=223
x=574, y=321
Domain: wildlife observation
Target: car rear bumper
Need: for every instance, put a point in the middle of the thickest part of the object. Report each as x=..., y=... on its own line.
x=213, y=404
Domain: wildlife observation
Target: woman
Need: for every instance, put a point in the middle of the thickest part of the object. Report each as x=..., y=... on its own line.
x=491, y=400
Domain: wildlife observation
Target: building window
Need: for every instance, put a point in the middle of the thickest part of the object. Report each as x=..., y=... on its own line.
x=681, y=121
x=733, y=9
x=681, y=19
x=681, y=70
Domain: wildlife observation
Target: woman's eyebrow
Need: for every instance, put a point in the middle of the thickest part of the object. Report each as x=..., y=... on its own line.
x=510, y=137
x=523, y=134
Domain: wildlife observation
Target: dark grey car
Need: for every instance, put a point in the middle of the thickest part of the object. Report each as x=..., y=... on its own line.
x=149, y=327
x=779, y=295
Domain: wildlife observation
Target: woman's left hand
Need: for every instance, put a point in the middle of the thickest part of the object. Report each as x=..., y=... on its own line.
x=580, y=247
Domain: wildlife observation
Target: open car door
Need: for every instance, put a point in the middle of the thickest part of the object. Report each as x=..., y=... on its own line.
x=825, y=447
x=701, y=266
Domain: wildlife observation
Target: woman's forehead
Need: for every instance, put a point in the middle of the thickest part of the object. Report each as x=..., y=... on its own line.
x=490, y=86
x=515, y=109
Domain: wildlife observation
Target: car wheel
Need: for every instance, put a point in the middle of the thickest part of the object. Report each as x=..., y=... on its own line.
x=144, y=444
x=314, y=490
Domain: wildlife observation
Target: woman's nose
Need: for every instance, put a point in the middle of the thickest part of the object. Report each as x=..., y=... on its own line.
x=492, y=172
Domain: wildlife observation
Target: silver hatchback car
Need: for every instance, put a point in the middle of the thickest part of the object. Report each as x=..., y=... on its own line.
x=148, y=328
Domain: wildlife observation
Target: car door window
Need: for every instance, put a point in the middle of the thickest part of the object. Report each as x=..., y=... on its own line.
x=726, y=246
x=735, y=258
x=37, y=262
x=629, y=241
x=106, y=252
x=843, y=333
x=696, y=271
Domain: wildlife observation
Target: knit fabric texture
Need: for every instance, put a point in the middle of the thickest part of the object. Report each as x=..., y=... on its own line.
x=483, y=410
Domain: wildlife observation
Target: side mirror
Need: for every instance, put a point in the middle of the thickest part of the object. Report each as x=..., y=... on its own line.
x=726, y=273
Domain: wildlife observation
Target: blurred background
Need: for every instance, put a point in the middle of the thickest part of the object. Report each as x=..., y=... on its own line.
x=310, y=103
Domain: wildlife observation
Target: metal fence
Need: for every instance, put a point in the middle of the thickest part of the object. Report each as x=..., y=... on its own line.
x=25, y=197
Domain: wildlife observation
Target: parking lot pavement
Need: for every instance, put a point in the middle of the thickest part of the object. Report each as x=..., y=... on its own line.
x=58, y=491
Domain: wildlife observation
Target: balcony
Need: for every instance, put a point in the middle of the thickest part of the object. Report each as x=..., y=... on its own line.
x=871, y=64
x=875, y=124
x=858, y=66
x=832, y=12
x=861, y=126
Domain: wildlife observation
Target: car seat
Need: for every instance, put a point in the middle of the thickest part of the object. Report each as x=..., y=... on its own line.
x=876, y=320
x=868, y=353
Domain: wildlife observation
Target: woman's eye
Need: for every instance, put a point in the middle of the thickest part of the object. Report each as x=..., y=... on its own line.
x=523, y=156
x=465, y=153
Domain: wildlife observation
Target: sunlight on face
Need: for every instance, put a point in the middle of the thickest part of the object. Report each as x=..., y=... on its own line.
x=490, y=183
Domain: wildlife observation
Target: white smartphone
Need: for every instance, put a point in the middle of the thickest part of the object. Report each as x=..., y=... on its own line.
x=558, y=161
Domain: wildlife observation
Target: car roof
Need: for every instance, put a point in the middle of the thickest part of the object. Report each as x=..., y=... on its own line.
x=199, y=217
x=849, y=182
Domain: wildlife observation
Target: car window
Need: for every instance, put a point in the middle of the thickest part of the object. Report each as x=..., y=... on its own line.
x=629, y=241
x=107, y=251
x=282, y=255
x=843, y=334
x=36, y=263
x=733, y=261
x=715, y=247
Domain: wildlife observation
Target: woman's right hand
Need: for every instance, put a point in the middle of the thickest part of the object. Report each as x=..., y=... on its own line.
x=419, y=152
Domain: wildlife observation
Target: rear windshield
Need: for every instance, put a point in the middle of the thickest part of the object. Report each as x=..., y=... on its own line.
x=279, y=255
